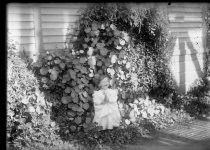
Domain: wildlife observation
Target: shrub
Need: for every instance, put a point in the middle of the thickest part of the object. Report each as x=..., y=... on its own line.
x=28, y=113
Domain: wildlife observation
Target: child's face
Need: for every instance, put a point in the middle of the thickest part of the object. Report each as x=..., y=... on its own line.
x=104, y=83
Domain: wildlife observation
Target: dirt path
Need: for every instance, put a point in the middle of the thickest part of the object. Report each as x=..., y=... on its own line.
x=192, y=136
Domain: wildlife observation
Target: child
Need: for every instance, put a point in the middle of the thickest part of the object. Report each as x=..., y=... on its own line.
x=107, y=113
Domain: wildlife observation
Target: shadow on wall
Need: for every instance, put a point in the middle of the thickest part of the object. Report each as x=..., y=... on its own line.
x=185, y=43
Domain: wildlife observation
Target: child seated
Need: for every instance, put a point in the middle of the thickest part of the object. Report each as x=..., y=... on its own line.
x=107, y=113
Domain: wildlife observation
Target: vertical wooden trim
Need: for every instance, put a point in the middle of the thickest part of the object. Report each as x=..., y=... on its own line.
x=37, y=29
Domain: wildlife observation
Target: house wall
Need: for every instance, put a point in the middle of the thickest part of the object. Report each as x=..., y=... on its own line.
x=187, y=24
x=43, y=27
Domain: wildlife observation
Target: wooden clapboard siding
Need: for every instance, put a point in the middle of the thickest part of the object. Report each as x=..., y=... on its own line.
x=56, y=22
x=59, y=18
x=189, y=66
x=57, y=31
x=20, y=26
x=186, y=23
x=60, y=11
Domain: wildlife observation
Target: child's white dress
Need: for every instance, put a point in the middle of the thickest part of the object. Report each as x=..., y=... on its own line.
x=106, y=115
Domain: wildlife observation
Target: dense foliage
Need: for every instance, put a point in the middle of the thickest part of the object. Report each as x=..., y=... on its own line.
x=132, y=46
x=28, y=112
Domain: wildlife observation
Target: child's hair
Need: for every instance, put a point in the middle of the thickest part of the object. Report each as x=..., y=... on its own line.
x=101, y=78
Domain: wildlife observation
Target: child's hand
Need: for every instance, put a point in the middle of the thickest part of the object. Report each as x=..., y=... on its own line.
x=106, y=100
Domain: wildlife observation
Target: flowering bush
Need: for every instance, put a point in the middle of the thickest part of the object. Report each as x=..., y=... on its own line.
x=28, y=112
x=149, y=111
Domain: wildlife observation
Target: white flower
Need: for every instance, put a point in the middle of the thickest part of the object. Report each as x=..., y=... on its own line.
x=113, y=59
x=103, y=26
x=90, y=51
x=136, y=101
x=38, y=110
x=92, y=61
x=157, y=112
x=113, y=27
x=111, y=71
x=31, y=109
x=25, y=101
x=162, y=109
x=122, y=42
x=81, y=51
x=127, y=121
x=150, y=111
x=128, y=65
x=144, y=114
x=91, y=75
x=126, y=37
x=97, y=32
x=52, y=124
x=132, y=116
x=146, y=102
x=119, y=47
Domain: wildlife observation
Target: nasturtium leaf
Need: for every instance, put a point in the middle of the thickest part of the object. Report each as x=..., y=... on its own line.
x=82, y=60
x=81, y=97
x=66, y=99
x=72, y=73
x=99, y=63
x=57, y=61
x=100, y=71
x=88, y=120
x=75, y=99
x=87, y=30
x=83, y=70
x=121, y=54
x=97, y=76
x=43, y=71
x=85, y=81
x=87, y=40
x=67, y=90
x=70, y=113
x=44, y=80
x=78, y=120
x=45, y=86
x=85, y=46
x=73, y=94
x=116, y=42
x=103, y=51
x=73, y=128
x=117, y=33
x=62, y=65
x=54, y=75
x=66, y=77
x=49, y=57
x=86, y=106
x=85, y=94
